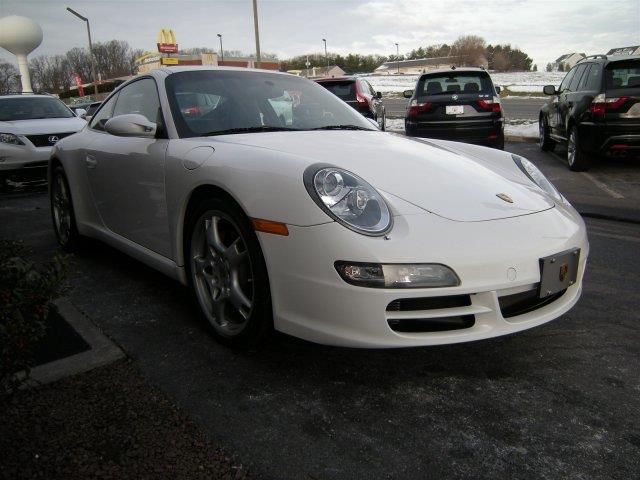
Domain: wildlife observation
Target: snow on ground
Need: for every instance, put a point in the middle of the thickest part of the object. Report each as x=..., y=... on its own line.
x=514, y=81
x=516, y=129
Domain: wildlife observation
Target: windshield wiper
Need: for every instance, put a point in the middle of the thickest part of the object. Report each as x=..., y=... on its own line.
x=261, y=128
x=341, y=127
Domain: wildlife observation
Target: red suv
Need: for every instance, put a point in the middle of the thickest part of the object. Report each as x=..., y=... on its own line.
x=359, y=94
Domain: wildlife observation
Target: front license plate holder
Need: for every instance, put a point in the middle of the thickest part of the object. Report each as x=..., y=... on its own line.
x=558, y=272
x=454, y=109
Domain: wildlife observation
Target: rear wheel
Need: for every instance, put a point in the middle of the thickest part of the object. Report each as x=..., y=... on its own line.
x=62, y=214
x=383, y=122
x=228, y=275
x=576, y=158
x=545, y=142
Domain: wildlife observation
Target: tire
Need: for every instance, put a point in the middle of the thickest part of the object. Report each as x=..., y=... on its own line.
x=62, y=212
x=383, y=125
x=577, y=160
x=545, y=142
x=228, y=275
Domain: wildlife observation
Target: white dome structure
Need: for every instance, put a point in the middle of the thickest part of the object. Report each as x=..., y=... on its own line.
x=20, y=36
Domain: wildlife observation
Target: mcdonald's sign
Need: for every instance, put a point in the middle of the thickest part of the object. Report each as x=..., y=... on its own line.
x=166, y=41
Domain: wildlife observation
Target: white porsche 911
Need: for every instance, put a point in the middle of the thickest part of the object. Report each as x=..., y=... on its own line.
x=285, y=209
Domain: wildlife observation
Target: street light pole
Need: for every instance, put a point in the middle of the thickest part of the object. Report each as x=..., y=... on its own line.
x=255, y=24
x=326, y=58
x=398, y=56
x=221, y=51
x=93, y=60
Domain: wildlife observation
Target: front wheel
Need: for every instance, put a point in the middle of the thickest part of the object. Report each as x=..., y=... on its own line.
x=576, y=158
x=62, y=213
x=383, y=123
x=228, y=275
x=545, y=142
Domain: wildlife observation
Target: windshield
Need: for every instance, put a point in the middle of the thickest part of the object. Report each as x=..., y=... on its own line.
x=448, y=83
x=623, y=75
x=209, y=102
x=31, y=108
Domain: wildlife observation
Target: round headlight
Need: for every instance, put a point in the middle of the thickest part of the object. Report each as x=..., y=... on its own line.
x=348, y=199
x=537, y=177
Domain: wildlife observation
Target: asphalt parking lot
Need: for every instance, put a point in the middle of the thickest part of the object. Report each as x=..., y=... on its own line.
x=559, y=401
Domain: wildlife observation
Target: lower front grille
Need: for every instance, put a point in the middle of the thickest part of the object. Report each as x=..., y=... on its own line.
x=47, y=139
x=524, y=302
x=429, y=303
x=426, y=325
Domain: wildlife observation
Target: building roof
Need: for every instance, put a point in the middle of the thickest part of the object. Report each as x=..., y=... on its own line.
x=623, y=50
x=418, y=62
x=318, y=71
x=562, y=58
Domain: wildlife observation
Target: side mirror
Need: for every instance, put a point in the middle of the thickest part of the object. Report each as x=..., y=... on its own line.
x=498, y=89
x=407, y=93
x=549, y=90
x=378, y=94
x=81, y=112
x=131, y=125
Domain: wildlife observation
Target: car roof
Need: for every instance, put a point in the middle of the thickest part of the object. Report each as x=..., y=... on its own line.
x=455, y=70
x=27, y=95
x=335, y=79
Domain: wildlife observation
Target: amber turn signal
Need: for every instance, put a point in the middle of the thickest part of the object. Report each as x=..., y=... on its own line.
x=268, y=226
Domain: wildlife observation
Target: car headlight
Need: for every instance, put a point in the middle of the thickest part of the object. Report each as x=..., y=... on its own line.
x=10, y=138
x=348, y=199
x=537, y=177
x=398, y=275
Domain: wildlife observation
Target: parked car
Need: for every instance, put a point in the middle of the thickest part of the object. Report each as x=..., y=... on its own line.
x=91, y=109
x=359, y=94
x=30, y=124
x=595, y=111
x=460, y=104
x=316, y=224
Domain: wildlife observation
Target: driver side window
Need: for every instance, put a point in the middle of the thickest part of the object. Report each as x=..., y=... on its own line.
x=139, y=97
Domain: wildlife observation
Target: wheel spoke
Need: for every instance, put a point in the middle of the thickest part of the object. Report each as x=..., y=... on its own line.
x=233, y=255
x=237, y=297
x=212, y=227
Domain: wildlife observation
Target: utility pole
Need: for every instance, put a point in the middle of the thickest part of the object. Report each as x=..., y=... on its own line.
x=326, y=58
x=255, y=24
x=93, y=60
x=398, y=56
x=221, y=51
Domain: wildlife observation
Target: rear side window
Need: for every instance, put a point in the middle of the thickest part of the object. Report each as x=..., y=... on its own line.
x=622, y=75
x=573, y=86
x=343, y=90
x=591, y=79
x=565, y=83
x=449, y=83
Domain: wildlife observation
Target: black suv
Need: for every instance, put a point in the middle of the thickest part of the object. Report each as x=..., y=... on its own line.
x=459, y=104
x=359, y=94
x=596, y=110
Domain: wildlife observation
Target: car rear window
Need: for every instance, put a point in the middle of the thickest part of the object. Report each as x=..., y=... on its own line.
x=344, y=90
x=454, y=82
x=622, y=75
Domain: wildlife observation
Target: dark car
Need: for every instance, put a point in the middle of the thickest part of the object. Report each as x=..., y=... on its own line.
x=458, y=104
x=92, y=109
x=358, y=93
x=595, y=111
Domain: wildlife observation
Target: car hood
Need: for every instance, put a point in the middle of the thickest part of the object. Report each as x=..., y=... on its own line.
x=445, y=182
x=40, y=126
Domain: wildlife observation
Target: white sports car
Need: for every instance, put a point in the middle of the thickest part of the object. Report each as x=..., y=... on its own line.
x=285, y=209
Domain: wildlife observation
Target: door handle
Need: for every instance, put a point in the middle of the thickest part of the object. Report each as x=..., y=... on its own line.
x=91, y=161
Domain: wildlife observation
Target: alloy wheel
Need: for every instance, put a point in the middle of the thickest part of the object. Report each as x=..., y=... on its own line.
x=222, y=273
x=571, y=148
x=61, y=209
x=542, y=130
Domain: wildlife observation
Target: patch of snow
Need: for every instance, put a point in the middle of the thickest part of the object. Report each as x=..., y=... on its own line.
x=395, y=124
x=526, y=130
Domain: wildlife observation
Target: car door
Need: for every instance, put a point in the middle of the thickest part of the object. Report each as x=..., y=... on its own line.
x=377, y=103
x=568, y=99
x=554, y=108
x=126, y=174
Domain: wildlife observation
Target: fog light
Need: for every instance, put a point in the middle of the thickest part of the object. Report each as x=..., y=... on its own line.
x=419, y=275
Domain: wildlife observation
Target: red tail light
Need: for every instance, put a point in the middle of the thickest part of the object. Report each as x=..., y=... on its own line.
x=490, y=105
x=361, y=100
x=415, y=110
x=600, y=104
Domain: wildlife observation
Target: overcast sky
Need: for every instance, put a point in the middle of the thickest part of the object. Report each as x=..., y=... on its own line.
x=544, y=29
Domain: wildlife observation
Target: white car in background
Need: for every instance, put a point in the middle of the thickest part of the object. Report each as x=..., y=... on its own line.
x=305, y=218
x=30, y=125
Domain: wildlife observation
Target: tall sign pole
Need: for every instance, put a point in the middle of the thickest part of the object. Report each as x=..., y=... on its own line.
x=93, y=60
x=255, y=24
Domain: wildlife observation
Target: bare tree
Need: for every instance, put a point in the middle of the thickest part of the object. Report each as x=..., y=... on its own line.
x=8, y=78
x=469, y=49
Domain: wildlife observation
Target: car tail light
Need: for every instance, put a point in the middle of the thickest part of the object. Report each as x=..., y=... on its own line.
x=493, y=105
x=361, y=100
x=619, y=146
x=601, y=104
x=416, y=108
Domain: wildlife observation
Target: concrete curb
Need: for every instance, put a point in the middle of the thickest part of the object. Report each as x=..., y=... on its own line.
x=103, y=351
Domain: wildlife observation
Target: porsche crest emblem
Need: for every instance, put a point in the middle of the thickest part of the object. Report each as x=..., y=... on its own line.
x=504, y=197
x=563, y=272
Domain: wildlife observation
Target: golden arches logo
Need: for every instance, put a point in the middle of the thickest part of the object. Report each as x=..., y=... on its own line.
x=166, y=41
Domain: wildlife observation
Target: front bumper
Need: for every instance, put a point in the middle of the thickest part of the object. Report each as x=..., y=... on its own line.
x=17, y=157
x=311, y=301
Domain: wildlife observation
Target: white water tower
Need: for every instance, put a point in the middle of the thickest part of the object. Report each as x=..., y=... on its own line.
x=20, y=36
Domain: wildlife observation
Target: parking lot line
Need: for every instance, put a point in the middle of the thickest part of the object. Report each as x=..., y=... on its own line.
x=602, y=186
